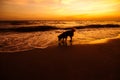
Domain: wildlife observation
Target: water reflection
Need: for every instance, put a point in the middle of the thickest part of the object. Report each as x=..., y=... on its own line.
x=65, y=43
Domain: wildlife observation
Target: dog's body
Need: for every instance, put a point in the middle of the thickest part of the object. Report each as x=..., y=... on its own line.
x=64, y=35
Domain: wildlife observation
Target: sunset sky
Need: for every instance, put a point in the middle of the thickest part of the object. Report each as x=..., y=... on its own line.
x=60, y=9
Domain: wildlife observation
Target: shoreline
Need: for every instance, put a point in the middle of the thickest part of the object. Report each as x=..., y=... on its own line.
x=100, y=42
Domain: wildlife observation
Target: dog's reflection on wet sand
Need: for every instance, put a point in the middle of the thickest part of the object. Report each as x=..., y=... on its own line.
x=65, y=43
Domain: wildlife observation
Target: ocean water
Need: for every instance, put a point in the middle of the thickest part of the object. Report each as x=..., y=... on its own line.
x=13, y=40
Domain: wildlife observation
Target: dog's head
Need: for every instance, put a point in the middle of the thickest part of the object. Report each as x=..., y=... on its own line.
x=73, y=29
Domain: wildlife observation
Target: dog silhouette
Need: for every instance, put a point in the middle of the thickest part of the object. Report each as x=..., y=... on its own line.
x=64, y=35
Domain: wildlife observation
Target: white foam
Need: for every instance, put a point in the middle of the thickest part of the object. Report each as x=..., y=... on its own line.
x=15, y=42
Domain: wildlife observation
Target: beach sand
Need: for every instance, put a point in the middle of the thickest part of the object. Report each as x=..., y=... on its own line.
x=76, y=62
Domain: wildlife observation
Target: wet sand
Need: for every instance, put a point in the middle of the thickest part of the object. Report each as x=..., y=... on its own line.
x=75, y=62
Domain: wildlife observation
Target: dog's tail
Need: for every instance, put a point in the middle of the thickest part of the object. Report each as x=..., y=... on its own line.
x=58, y=38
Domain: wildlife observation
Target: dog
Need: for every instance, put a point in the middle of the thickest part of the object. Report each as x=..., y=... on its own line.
x=65, y=34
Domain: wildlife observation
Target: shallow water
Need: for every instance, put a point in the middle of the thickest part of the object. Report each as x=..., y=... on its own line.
x=17, y=41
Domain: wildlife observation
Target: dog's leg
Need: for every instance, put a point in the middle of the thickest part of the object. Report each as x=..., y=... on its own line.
x=59, y=39
x=70, y=38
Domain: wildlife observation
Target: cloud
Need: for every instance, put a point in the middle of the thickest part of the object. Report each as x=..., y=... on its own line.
x=58, y=7
x=26, y=2
x=17, y=2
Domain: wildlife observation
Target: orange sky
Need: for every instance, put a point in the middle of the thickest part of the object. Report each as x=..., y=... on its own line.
x=60, y=9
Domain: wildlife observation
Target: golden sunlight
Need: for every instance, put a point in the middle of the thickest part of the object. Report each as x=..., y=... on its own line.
x=59, y=9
